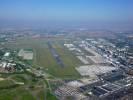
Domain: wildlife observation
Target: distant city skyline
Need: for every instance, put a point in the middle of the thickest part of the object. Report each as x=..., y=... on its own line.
x=75, y=11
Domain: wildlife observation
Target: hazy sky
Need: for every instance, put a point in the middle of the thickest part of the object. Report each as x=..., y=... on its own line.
x=67, y=10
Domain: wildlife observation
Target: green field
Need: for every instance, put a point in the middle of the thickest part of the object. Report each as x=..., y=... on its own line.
x=44, y=58
x=32, y=89
x=18, y=92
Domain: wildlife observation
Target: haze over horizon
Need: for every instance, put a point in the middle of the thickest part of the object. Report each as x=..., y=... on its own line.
x=97, y=14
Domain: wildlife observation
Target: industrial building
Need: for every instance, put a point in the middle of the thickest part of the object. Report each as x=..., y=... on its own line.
x=26, y=54
x=94, y=70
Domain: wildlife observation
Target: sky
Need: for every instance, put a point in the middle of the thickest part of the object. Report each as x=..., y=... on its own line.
x=97, y=11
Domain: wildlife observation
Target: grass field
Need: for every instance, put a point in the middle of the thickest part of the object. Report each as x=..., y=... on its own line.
x=31, y=89
x=16, y=94
x=19, y=92
x=44, y=58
